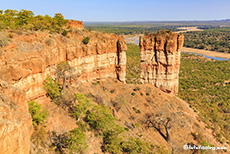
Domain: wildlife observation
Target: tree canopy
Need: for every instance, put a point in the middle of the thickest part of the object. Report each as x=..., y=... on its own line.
x=25, y=19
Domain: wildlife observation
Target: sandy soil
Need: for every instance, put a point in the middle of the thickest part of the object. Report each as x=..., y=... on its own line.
x=187, y=29
x=206, y=52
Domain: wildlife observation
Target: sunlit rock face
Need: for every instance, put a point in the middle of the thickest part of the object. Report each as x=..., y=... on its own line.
x=160, y=60
x=15, y=120
x=29, y=58
x=75, y=24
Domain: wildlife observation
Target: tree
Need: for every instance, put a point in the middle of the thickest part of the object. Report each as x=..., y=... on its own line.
x=64, y=73
x=157, y=122
x=59, y=21
x=24, y=17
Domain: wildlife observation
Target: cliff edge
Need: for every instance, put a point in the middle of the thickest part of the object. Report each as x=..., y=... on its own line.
x=29, y=57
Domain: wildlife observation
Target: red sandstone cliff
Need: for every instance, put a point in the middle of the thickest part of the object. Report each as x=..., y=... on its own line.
x=75, y=24
x=160, y=60
x=15, y=121
x=30, y=57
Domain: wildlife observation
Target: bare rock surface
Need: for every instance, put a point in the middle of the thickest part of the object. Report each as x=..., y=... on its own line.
x=160, y=60
x=15, y=120
x=32, y=56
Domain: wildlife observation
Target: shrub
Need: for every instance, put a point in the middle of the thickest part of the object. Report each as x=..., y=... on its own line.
x=135, y=145
x=137, y=124
x=112, y=91
x=53, y=88
x=133, y=93
x=134, y=108
x=37, y=115
x=64, y=33
x=112, y=139
x=86, y=40
x=39, y=135
x=100, y=118
x=83, y=105
x=136, y=89
x=76, y=141
x=147, y=94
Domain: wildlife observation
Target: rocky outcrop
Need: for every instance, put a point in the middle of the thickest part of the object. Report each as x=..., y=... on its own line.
x=32, y=56
x=15, y=120
x=75, y=24
x=160, y=60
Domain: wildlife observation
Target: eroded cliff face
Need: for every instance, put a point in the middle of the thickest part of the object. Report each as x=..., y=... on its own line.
x=160, y=60
x=32, y=56
x=75, y=24
x=15, y=120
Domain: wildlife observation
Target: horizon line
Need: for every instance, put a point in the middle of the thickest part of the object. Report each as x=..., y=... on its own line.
x=228, y=20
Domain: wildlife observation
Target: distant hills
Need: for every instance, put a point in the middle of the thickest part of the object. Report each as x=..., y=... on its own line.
x=184, y=22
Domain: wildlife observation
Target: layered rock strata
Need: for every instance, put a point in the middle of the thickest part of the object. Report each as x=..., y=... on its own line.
x=15, y=121
x=160, y=60
x=75, y=24
x=29, y=58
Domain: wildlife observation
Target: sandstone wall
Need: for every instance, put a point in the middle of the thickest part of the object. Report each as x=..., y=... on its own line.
x=29, y=58
x=160, y=60
x=15, y=121
x=75, y=24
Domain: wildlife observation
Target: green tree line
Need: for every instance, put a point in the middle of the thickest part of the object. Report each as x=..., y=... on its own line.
x=26, y=20
x=212, y=39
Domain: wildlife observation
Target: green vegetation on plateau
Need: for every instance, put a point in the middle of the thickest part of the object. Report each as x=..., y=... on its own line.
x=25, y=20
x=211, y=39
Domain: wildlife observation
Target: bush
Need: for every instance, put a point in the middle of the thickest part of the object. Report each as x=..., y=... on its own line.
x=133, y=93
x=112, y=91
x=137, y=124
x=112, y=139
x=86, y=40
x=83, y=105
x=135, y=145
x=100, y=118
x=64, y=33
x=136, y=110
x=53, y=89
x=39, y=135
x=37, y=115
x=76, y=141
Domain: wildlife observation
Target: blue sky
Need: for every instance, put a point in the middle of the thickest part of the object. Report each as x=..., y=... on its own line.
x=126, y=10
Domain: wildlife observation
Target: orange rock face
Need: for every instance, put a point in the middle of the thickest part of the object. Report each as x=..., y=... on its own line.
x=160, y=60
x=15, y=121
x=33, y=57
x=75, y=24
